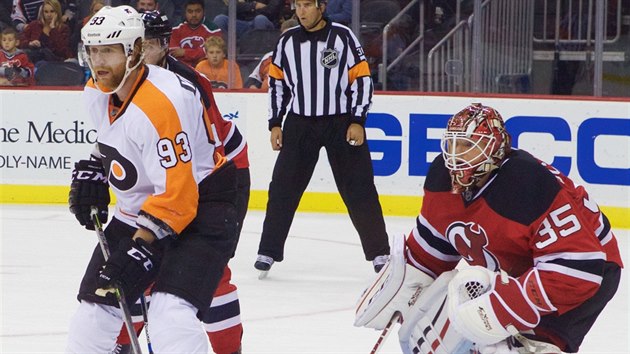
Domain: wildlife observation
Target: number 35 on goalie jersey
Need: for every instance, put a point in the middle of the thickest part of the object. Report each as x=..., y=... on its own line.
x=527, y=216
x=155, y=148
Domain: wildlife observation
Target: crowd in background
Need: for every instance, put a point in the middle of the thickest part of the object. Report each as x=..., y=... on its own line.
x=41, y=38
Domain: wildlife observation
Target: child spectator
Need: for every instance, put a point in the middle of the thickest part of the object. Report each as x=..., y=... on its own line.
x=47, y=38
x=15, y=68
x=188, y=38
x=258, y=79
x=215, y=66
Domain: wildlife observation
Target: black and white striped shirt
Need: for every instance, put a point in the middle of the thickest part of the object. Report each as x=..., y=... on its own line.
x=319, y=74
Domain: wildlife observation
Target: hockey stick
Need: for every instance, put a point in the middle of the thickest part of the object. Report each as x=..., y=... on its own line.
x=120, y=295
x=145, y=310
x=385, y=333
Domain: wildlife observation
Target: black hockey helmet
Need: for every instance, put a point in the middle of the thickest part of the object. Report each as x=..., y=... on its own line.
x=317, y=3
x=156, y=25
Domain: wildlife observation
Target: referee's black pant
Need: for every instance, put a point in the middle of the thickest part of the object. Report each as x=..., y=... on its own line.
x=302, y=139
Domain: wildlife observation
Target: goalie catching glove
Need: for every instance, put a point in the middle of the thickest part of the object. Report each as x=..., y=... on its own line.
x=133, y=267
x=89, y=188
x=487, y=307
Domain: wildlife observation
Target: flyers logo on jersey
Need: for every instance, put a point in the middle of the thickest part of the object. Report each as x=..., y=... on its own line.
x=121, y=173
x=470, y=240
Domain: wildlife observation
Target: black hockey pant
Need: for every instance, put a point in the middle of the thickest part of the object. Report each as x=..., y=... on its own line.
x=302, y=140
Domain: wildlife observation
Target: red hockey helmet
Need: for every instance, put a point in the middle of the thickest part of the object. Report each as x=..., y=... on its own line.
x=474, y=144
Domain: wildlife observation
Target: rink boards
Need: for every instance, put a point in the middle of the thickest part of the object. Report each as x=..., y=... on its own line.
x=44, y=132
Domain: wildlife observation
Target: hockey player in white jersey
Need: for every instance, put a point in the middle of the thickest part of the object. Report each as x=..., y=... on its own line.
x=175, y=220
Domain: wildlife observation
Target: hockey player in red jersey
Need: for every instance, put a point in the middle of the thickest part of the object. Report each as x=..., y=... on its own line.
x=175, y=223
x=543, y=261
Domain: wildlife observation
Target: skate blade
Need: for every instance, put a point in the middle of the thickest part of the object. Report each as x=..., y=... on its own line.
x=263, y=274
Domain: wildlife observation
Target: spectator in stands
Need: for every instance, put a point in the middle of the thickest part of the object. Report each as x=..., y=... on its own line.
x=47, y=38
x=250, y=15
x=25, y=12
x=146, y=5
x=216, y=66
x=258, y=79
x=94, y=7
x=339, y=11
x=70, y=17
x=15, y=67
x=5, y=14
x=188, y=38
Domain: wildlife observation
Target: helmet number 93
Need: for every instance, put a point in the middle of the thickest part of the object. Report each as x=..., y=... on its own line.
x=97, y=20
x=167, y=150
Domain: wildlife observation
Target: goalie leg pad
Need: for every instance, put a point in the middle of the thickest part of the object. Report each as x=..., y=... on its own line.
x=428, y=328
x=392, y=291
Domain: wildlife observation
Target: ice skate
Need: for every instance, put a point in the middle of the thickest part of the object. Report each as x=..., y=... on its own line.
x=263, y=264
x=379, y=262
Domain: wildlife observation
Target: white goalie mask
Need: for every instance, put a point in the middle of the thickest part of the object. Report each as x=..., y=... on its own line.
x=474, y=144
x=114, y=25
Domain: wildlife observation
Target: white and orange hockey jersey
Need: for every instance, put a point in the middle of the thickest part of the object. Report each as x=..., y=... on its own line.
x=155, y=148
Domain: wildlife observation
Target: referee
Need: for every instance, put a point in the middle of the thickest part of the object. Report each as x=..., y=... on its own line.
x=319, y=75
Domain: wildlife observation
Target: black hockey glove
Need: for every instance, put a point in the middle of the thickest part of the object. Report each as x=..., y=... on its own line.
x=132, y=267
x=12, y=72
x=89, y=188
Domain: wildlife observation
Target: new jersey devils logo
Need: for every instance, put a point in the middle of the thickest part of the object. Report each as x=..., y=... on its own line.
x=470, y=240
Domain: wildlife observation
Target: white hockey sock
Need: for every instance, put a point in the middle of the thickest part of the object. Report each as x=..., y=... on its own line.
x=174, y=326
x=94, y=328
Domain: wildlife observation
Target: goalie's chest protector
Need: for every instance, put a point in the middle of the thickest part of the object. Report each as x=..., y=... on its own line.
x=507, y=224
x=155, y=147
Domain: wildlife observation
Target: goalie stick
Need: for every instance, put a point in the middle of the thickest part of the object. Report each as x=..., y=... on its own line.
x=385, y=333
x=120, y=295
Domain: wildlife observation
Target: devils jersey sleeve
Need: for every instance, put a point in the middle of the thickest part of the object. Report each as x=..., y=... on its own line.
x=528, y=220
x=228, y=139
x=156, y=149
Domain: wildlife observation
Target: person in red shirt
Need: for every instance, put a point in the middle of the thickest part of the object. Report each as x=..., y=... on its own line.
x=47, y=38
x=187, y=40
x=15, y=68
x=542, y=260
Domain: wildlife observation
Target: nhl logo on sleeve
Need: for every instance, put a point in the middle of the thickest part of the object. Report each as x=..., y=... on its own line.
x=330, y=58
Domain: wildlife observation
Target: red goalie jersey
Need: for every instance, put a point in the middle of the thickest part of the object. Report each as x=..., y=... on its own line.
x=528, y=215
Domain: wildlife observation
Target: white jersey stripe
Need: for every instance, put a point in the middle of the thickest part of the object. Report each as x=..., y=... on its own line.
x=224, y=299
x=225, y=324
x=556, y=268
x=579, y=256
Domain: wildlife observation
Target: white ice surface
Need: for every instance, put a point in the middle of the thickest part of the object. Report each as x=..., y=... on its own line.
x=304, y=306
